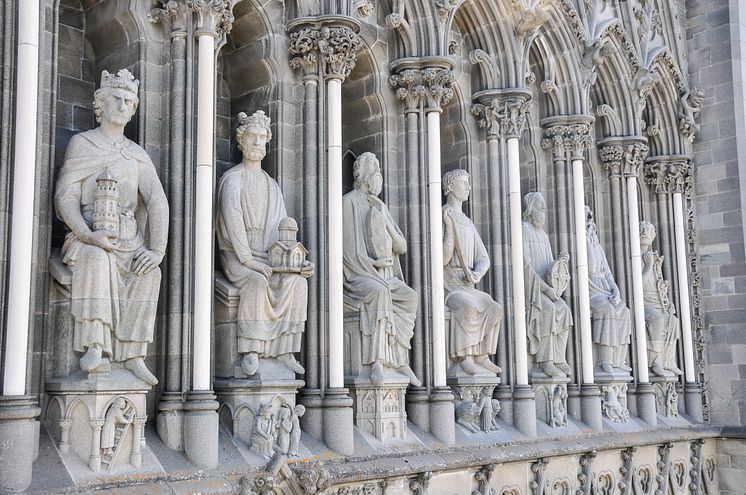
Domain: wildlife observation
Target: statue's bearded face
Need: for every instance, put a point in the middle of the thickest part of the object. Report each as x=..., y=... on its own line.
x=118, y=106
x=374, y=180
x=539, y=213
x=254, y=143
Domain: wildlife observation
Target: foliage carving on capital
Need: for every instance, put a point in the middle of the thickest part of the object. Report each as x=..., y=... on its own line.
x=213, y=16
x=409, y=88
x=612, y=156
x=172, y=14
x=338, y=47
x=578, y=139
x=503, y=116
x=634, y=158
x=303, y=48
x=438, y=84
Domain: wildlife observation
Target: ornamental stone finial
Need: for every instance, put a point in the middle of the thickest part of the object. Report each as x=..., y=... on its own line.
x=214, y=17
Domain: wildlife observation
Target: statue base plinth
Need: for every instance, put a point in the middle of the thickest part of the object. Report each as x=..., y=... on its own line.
x=93, y=443
x=380, y=411
x=241, y=399
x=666, y=396
x=475, y=408
x=614, y=395
x=551, y=398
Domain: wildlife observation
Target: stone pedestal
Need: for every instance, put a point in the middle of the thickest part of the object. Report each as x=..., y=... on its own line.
x=646, y=403
x=551, y=398
x=19, y=431
x=524, y=410
x=442, y=424
x=80, y=417
x=666, y=396
x=170, y=420
x=201, y=429
x=474, y=405
x=614, y=387
x=381, y=411
x=693, y=401
x=338, y=421
x=241, y=400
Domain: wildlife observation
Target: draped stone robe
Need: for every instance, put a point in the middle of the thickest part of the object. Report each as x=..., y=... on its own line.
x=661, y=323
x=548, y=322
x=475, y=316
x=271, y=313
x=611, y=324
x=112, y=306
x=387, y=306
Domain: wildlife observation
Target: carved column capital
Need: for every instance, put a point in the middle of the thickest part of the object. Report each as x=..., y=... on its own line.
x=409, y=88
x=634, y=157
x=571, y=134
x=680, y=176
x=97, y=424
x=332, y=41
x=427, y=80
x=656, y=174
x=502, y=112
x=173, y=15
x=213, y=17
x=611, y=156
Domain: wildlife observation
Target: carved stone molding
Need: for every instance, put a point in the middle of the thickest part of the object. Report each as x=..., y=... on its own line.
x=484, y=478
x=333, y=41
x=539, y=485
x=213, y=17
x=585, y=477
x=502, y=113
x=421, y=484
x=627, y=470
x=424, y=80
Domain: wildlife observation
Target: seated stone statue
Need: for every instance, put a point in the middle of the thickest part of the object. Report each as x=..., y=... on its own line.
x=373, y=280
x=661, y=323
x=548, y=316
x=475, y=316
x=272, y=308
x=112, y=202
x=611, y=329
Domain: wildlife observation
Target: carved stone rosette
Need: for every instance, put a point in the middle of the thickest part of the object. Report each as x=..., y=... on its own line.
x=333, y=41
x=502, y=113
x=423, y=80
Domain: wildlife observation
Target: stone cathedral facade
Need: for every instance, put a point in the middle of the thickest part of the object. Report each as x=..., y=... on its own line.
x=487, y=247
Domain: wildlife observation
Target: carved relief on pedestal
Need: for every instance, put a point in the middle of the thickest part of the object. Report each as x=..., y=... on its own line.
x=614, y=402
x=476, y=410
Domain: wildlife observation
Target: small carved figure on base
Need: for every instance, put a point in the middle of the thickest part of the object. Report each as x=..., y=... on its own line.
x=114, y=416
x=295, y=431
x=262, y=439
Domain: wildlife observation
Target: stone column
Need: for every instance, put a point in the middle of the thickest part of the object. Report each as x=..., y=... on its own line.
x=94, y=458
x=64, y=445
x=506, y=112
x=212, y=20
x=435, y=75
x=174, y=17
x=137, y=441
x=680, y=179
x=18, y=413
x=634, y=155
x=332, y=42
x=611, y=158
x=303, y=50
x=409, y=89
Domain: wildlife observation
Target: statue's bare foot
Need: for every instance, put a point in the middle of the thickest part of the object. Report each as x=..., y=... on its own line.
x=407, y=371
x=376, y=374
x=250, y=363
x=550, y=369
x=607, y=367
x=657, y=368
x=484, y=361
x=91, y=359
x=624, y=367
x=290, y=362
x=138, y=368
x=565, y=368
x=467, y=364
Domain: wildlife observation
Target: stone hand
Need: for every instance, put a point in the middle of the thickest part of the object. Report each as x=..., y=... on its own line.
x=615, y=299
x=554, y=295
x=471, y=276
x=260, y=267
x=102, y=239
x=307, y=269
x=145, y=261
x=647, y=257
